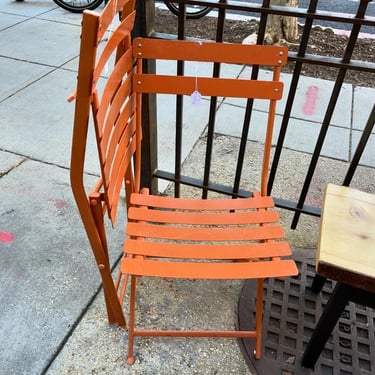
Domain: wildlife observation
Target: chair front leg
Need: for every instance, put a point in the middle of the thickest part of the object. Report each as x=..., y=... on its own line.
x=259, y=319
x=133, y=282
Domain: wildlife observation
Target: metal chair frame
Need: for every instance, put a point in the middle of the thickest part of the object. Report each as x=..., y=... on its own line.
x=169, y=237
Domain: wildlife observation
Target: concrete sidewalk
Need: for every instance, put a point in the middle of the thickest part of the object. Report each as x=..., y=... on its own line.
x=52, y=316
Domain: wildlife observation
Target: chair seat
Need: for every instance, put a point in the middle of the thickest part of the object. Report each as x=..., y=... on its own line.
x=235, y=238
x=346, y=251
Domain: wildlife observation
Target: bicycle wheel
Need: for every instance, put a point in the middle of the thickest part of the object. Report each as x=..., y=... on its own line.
x=193, y=12
x=78, y=6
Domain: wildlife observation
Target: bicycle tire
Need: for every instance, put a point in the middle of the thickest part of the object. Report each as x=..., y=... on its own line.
x=190, y=14
x=78, y=6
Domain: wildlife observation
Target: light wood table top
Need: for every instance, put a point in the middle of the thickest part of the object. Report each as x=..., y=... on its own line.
x=346, y=251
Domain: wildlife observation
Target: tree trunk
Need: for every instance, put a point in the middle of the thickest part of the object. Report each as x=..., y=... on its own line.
x=281, y=28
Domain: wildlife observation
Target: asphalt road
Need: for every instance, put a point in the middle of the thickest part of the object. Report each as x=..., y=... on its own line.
x=342, y=6
x=337, y=6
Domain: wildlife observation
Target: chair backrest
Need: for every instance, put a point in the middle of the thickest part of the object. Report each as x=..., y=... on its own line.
x=110, y=98
x=273, y=57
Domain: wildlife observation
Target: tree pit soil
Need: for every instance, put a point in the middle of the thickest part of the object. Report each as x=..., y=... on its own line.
x=323, y=42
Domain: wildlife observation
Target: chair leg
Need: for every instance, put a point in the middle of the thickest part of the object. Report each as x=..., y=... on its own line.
x=259, y=319
x=327, y=322
x=110, y=314
x=318, y=283
x=133, y=282
x=114, y=309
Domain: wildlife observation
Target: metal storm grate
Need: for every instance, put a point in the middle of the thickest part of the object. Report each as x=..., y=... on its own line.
x=290, y=315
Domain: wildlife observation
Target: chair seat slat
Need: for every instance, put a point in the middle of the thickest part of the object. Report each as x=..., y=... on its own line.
x=225, y=271
x=256, y=233
x=208, y=218
x=198, y=251
x=201, y=204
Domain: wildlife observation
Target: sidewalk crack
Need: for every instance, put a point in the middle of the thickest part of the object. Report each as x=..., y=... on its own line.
x=7, y=171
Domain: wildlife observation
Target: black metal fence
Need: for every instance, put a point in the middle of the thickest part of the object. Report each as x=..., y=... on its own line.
x=300, y=58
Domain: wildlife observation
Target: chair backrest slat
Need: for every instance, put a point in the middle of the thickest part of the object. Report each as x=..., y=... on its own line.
x=114, y=40
x=109, y=13
x=209, y=51
x=116, y=85
x=225, y=87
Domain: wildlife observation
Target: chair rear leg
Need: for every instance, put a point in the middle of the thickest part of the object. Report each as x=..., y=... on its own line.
x=114, y=310
x=259, y=319
x=133, y=282
x=110, y=314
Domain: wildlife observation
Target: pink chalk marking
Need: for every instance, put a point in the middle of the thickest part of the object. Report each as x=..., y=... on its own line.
x=311, y=96
x=58, y=203
x=6, y=237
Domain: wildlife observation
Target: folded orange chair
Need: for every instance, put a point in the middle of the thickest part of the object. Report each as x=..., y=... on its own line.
x=169, y=237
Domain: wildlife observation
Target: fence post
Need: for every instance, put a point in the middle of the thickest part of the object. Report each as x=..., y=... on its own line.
x=144, y=27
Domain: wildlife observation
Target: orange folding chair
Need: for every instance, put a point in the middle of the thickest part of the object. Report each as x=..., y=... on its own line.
x=170, y=237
